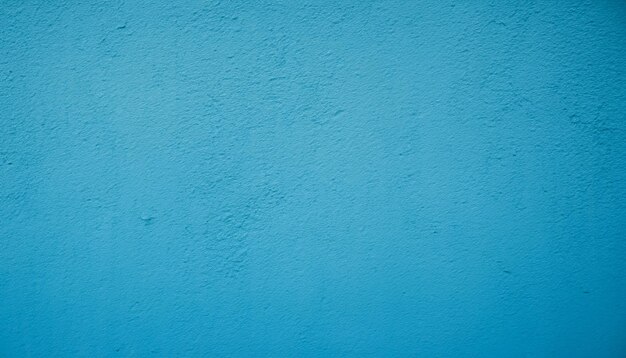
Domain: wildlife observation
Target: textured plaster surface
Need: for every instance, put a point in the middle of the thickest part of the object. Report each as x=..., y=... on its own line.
x=351, y=178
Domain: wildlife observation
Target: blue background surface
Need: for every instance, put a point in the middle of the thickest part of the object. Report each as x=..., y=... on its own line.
x=354, y=178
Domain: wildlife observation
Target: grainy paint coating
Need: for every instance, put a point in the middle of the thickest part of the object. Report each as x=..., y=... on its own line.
x=352, y=178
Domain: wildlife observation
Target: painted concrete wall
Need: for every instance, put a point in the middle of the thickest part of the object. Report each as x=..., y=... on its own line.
x=353, y=178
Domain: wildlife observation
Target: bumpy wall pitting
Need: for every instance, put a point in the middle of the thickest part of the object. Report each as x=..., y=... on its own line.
x=353, y=178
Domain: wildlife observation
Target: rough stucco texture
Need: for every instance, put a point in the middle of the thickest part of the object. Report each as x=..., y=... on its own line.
x=354, y=178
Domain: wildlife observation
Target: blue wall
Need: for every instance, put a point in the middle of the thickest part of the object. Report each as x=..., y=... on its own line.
x=352, y=178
